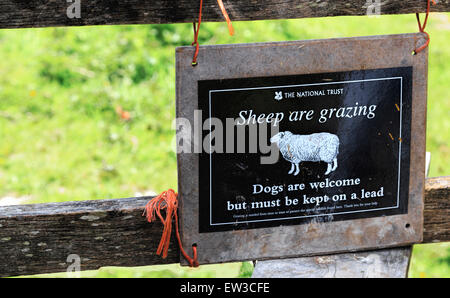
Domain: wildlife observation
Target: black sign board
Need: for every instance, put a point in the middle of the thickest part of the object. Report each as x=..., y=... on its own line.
x=301, y=148
x=342, y=142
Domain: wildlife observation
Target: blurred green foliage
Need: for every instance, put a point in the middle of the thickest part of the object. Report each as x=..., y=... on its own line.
x=161, y=271
x=64, y=92
x=430, y=260
x=246, y=270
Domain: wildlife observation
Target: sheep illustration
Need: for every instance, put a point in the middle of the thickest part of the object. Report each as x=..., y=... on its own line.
x=314, y=147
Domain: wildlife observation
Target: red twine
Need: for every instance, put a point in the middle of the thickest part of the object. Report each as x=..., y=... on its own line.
x=197, y=28
x=168, y=201
x=227, y=18
x=422, y=27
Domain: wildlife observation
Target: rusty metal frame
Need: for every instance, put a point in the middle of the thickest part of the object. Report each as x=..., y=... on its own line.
x=290, y=58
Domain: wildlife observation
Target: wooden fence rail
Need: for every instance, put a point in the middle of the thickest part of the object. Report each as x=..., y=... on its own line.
x=43, y=13
x=39, y=238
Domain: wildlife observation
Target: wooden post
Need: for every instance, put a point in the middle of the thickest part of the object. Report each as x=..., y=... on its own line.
x=392, y=262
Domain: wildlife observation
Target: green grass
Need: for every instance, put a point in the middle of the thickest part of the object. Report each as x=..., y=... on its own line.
x=62, y=139
x=164, y=271
x=430, y=260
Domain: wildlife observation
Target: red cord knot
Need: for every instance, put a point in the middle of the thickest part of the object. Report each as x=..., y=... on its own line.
x=168, y=201
x=197, y=28
x=422, y=27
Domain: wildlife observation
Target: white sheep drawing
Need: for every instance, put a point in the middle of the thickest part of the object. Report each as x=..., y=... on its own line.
x=314, y=147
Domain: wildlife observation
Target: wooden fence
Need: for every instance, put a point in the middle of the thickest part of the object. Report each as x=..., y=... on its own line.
x=40, y=13
x=39, y=238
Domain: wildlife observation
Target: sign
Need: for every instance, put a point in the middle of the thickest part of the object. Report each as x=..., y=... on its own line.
x=341, y=150
x=289, y=149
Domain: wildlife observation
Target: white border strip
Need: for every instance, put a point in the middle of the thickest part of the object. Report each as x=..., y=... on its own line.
x=304, y=85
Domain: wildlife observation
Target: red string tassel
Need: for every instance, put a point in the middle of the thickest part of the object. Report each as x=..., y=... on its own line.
x=168, y=201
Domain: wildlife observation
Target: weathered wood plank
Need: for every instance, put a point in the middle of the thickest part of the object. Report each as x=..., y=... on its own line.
x=384, y=263
x=39, y=238
x=44, y=13
x=437, y=210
